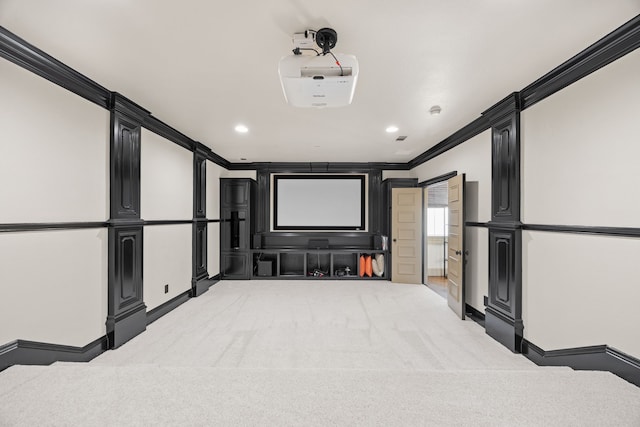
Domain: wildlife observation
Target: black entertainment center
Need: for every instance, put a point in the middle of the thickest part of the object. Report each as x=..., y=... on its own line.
x=336, y=249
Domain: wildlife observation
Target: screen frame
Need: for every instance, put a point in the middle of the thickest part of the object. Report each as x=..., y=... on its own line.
x=355, y=177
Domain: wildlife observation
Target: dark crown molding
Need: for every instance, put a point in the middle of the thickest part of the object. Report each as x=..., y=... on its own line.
x=29, y=57
x=21, y=53
x=618, y=43
x=507, y=106
x=474, y=128
x=317, y=167
x=613, y=46
x=125, y=106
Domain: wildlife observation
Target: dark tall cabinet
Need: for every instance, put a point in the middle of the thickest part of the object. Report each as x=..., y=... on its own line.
x=237, y=204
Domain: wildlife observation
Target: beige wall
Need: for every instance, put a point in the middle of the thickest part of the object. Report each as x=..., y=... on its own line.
x=45, y=130
x=472, y=158
x=579, y=167
x=166, y=179
x=53, y=284
x=581, y=290
x=166, y=193
x=166, y=261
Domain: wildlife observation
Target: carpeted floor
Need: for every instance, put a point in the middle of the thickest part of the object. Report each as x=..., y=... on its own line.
x=314, y=353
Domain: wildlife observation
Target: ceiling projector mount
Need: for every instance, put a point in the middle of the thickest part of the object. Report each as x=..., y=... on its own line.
x=310, y=78
x=325, y=38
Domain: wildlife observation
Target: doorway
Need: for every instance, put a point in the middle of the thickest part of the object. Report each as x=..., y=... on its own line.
x=436, y=220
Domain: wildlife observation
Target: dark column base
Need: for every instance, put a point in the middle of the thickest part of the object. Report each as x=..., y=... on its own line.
x=202, y=285
x=507, y=332
x=122, y=328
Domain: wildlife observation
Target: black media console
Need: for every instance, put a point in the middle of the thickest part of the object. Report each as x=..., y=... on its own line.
x=333, y=264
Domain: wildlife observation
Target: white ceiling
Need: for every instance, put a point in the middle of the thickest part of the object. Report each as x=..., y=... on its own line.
x=205, y=66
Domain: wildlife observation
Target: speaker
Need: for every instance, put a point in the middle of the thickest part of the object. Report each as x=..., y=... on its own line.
x=265, y=268
x=257, y=241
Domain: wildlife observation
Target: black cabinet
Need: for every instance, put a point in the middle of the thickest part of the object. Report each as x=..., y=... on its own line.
x=236, y=226
x=315, y=264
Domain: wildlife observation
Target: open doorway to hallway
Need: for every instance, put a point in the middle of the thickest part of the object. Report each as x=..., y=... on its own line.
x=436, y=237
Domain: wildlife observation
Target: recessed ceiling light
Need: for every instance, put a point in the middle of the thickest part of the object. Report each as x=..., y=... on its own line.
x=242, y=129
x=435, y=110
x=392, y=129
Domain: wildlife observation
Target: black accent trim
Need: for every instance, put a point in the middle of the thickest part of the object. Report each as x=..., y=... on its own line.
x=376, y=206
x=505, y=157
x=618, y=43
x=593, y=358
x=504, y=329
x=167, y=306
x=126, y=309
x=168, y=222
x=474, y=128
x=503, y=314
x=317, y=167
x=199, y=274
x=6, y=228
x=21, y=352
x=202, y=285
x=476, y=224
x=27, y=56
x=475, y=315
x=199, y=185
x=124, y=170
x=613, y=46
x=159, y=127
x=199, y=254
x=123, y=106
x=437, y=179
x=584, y=229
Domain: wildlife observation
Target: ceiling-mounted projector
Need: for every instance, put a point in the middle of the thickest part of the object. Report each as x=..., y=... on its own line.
x=322, y=79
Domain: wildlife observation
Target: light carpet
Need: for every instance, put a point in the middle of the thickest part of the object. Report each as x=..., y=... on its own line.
x=314, y=353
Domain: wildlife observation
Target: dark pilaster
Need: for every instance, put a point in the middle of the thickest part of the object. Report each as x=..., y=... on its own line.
x=503, y=318
x=200, y=282
x=126, y=315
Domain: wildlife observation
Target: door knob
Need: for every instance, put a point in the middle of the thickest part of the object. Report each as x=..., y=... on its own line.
x=394, y=240
x=458, y=252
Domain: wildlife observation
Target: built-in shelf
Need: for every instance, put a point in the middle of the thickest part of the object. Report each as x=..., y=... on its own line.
x=313, y=264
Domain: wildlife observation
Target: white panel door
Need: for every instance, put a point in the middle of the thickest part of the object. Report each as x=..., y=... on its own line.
x=455, y=282
x=406, y=235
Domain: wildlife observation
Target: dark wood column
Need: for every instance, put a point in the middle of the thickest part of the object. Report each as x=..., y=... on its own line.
x=503, y=314
x=200, y=281
x=127, y=313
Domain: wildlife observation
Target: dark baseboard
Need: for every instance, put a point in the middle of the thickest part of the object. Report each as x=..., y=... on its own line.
x=168, y=306
x=21, y=352
x=200, y=286
x=122, y=328
x=506, y=331
x=594, y=358
x=475, y=315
